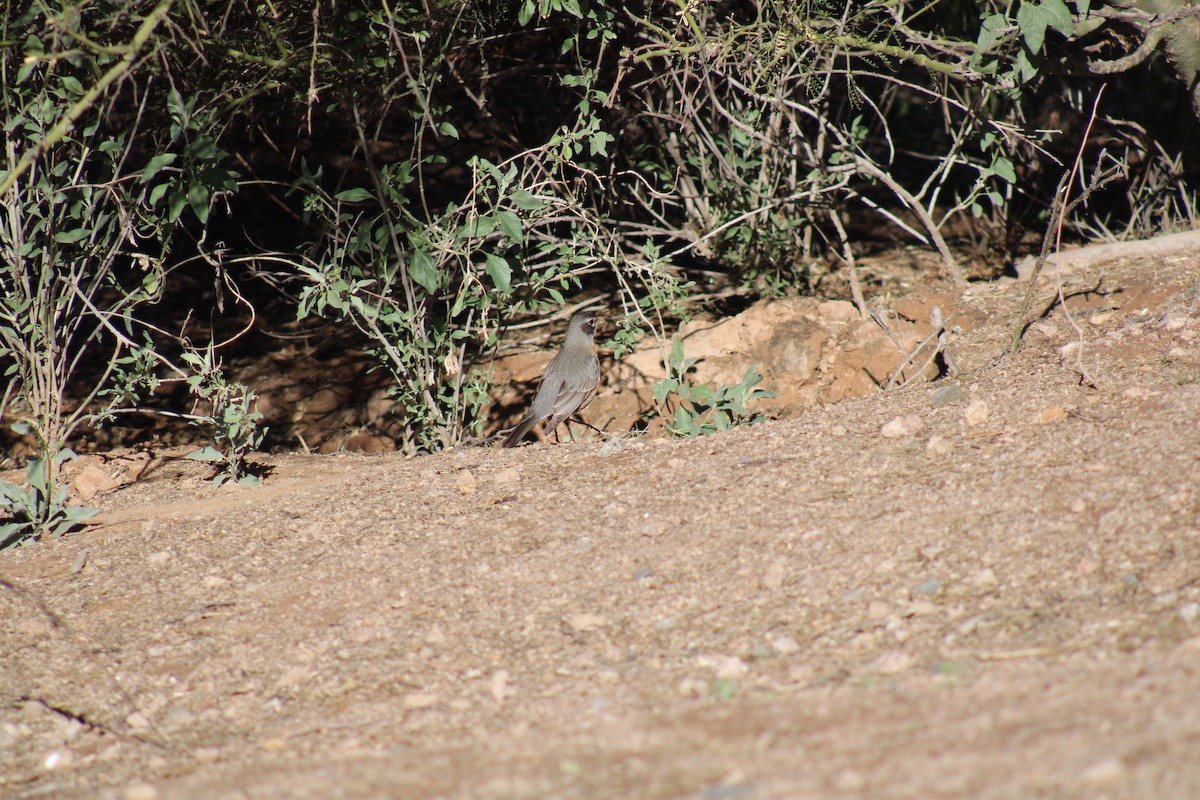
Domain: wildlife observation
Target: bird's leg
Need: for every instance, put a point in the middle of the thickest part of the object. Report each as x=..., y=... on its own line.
x=586, y=424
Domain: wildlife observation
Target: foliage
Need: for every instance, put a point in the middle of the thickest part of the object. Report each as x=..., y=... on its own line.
x=235, y=423
x=42, y=508
x=85, y=227
x=700, y=409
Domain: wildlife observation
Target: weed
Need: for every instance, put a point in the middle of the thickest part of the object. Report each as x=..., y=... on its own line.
x=701, y=409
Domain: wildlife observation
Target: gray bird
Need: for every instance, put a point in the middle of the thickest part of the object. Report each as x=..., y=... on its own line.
x=567, y=384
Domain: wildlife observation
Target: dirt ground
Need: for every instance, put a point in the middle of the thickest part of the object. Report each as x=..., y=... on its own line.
x=984, y=587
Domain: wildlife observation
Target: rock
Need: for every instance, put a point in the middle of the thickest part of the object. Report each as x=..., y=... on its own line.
x=985, y=578
x=137, y=721
x=586, y=622
x=731, y=668
x=1104, y=773
x=938, y=446
x=1173, y=321
x=977, y=413
x=140, y=791
x=506, y=477
x=498, y=685
x=773, y=577
x=206, y=755
x=785, y=645
x=945, y=395
x=93, y=479
x=421, y=700
x=466, y=481
x=929, y=588
x=1051, y=414
x=900, y=427
x=893, y=662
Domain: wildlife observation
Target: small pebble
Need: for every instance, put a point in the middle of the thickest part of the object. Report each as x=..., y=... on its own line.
x=1104, y=773
x=137, y=721
x=140, y=791
x=900, y=427
x=928, y=588
x=421, y=700
x=923, y=608
x=1173, y=322
x=730, y=668
x=785, y=645
x=945, y=395
x=985, y=577
x=850, y=781
x=1189, y=612
x=938, y=446
x=893, y=663
x=466, y=481
x=586, y=622
x=498, y=685
x=206, y=755
x=506, y=477
x=977, y=413
x=773, y=576
x=1051, y=414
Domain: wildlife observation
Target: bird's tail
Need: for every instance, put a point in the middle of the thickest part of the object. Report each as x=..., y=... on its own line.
x=518, y=433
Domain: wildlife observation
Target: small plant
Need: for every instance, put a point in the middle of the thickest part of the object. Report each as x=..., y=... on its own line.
x=236, y=425
x=42, y=508
x=700, y=409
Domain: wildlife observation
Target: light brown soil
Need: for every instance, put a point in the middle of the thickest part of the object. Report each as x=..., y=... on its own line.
x=1003, y=603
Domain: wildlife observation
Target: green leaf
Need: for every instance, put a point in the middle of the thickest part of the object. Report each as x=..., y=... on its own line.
x=990, y=32
x=510, y=225
x=423, y=271
x=175, y=203
x=70, y=237
x=676, y=359
x=500, y=272
x=1059, y=16
x=665, y=388
x=526, y=201
x=155, y=165
x=206, y=453
x=1005, y=170
x=353, y=195
x=198, y=199
x=598, y=143
x=479, y=227
x=1033, y=19
x=35, y=473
